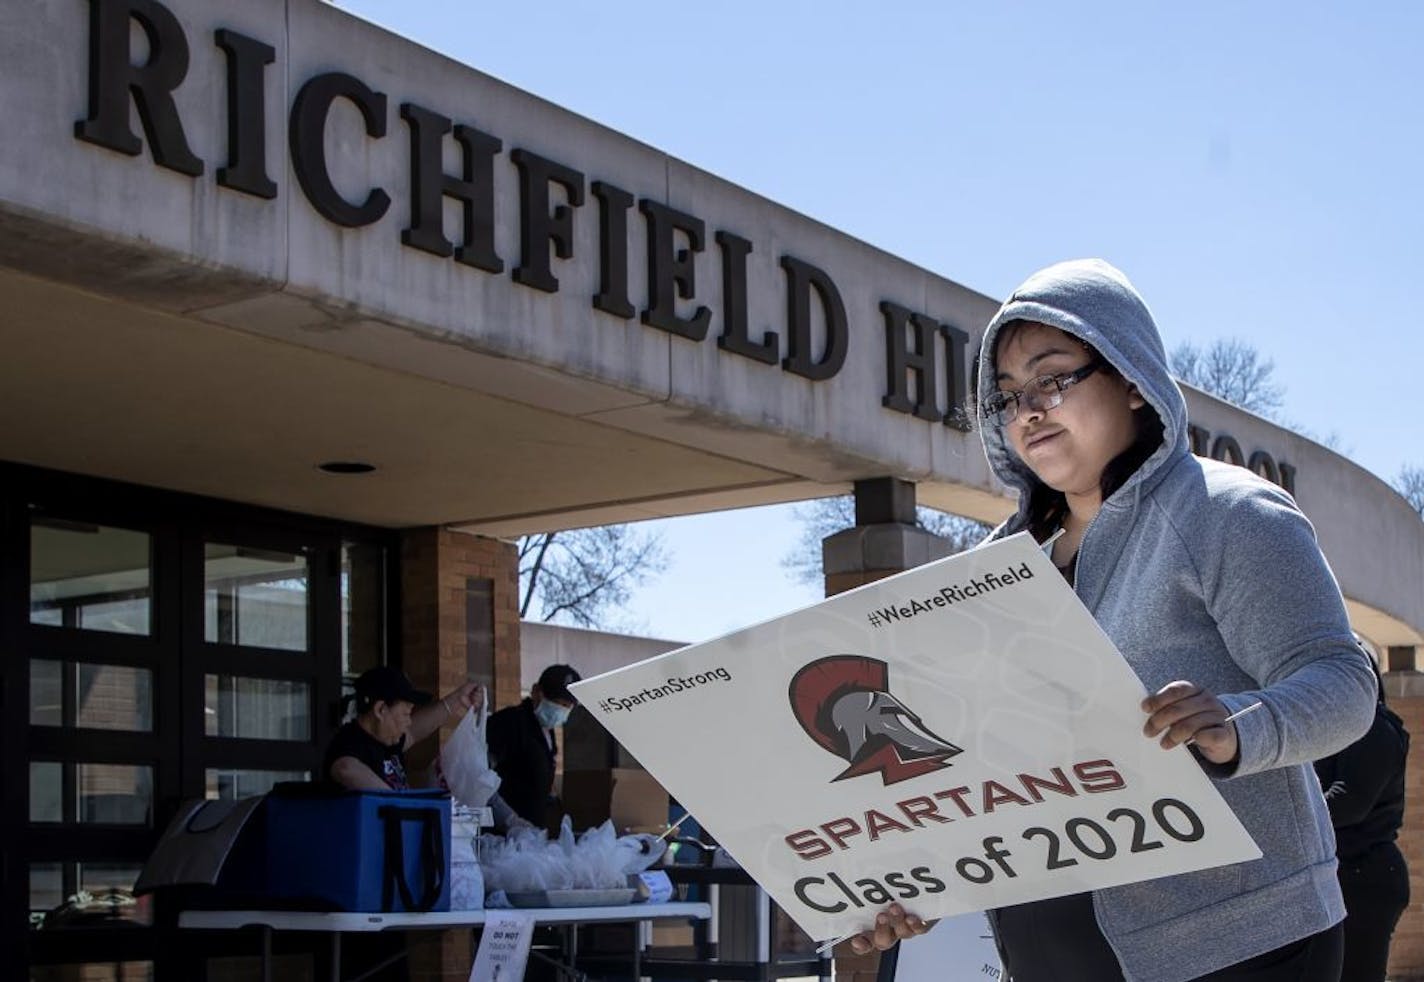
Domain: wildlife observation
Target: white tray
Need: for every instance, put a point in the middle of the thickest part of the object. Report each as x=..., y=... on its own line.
x=573, y=898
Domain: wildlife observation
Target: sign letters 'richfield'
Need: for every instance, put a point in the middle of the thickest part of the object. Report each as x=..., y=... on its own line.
x=551, y=195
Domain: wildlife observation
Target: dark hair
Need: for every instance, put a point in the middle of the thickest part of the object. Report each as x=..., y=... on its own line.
x=1046, y=506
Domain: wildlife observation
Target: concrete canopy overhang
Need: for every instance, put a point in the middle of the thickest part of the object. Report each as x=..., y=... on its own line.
x=164, y=329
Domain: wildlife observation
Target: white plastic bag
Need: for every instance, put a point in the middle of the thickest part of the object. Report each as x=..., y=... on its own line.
x=467, y=882
x=528, y=861
x=463, y=765
x=640, y=851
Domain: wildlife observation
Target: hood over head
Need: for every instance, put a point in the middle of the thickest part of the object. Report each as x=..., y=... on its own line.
x=1094, y=302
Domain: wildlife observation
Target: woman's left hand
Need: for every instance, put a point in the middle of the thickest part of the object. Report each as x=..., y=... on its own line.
x=892, y=924
x=1182, y=711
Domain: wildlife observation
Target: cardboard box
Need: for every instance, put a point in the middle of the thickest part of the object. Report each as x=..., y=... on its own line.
x=640, y=804
x=627, y=795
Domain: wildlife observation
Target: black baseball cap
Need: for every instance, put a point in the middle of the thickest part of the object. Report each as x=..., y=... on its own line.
x=555, y=680
x=388, y=684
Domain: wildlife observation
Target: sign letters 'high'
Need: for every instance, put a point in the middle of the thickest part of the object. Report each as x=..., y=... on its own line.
x=926, y=361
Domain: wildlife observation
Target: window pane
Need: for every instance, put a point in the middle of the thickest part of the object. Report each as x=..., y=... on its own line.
x=113, y=697
x=46, y=791
x=95, y=972
x=363, y=612
x=111, y=886
x=257, y=709
x=255, y=597
x=46, y=692
x=229, y=783
x=115, y=794
x=46, y=890
x=91, y=577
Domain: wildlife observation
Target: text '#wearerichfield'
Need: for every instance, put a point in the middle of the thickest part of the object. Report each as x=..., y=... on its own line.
x=947, y=596
x=626, y=704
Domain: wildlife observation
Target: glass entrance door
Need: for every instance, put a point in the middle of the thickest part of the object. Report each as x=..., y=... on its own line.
x=155, y=648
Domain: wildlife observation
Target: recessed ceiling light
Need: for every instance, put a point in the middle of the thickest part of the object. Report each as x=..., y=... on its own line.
x=346, y=467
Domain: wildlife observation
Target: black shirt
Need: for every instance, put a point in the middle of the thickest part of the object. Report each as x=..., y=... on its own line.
x=386, y=762
x=522, y=752
x=1364, y=786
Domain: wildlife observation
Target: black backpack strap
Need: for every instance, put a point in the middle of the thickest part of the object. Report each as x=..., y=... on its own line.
x=432, y=854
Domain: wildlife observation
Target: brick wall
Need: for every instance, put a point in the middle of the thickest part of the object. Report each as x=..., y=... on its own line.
x=442, y=572
x=459, y=620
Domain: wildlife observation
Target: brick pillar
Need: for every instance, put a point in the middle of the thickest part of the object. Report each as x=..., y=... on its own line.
x=884, y=541
x=459, y=621
x=1404, y=690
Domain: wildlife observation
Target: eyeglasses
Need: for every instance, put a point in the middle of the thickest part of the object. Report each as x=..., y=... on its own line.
x=1040, y=394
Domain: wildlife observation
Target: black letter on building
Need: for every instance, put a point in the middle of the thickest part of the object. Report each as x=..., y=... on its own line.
x=901, y=359
x=246, y=168
x=1227, y=450
x=613, y=205
x=670, y=270
x=1264, y=464
x=960, y=413
x=429, y=185
x=800, y=278
x=1200, y=439
x=112, y=77
x=537, y=227
x=735, y=337
x=1288, y=477
x=307, y=135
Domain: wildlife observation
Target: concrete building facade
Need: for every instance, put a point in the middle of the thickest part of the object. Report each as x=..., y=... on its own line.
x=301, y=321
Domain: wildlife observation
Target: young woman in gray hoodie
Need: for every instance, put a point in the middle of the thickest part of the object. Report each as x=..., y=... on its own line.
x=1209, y=581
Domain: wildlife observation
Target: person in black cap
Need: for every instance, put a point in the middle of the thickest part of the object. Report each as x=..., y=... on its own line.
x=368, y=753
x=521, y=743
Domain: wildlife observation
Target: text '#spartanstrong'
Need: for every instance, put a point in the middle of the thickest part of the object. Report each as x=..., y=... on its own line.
x=949, y=595
x=626, y=704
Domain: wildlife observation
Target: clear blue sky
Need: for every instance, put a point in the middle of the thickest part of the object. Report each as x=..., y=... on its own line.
x=1254, y=167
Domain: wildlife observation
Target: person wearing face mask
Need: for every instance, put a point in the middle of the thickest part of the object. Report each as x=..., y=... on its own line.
x=522, y=747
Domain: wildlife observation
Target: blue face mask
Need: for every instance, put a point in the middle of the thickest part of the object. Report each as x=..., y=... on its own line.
x=550, y=714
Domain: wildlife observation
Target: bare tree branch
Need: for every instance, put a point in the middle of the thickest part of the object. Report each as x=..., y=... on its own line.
x=586, y=575
x=1410, y=483
x=543, y=541
x=1233, y=370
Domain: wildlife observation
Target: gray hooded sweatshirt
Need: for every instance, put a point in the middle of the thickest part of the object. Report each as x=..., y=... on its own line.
x=1203, y=571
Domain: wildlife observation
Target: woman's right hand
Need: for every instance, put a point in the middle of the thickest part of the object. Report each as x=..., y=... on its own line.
x=892, y=924
x=466, y=697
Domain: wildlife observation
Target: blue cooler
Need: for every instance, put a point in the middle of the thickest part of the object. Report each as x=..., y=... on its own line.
x=359, y=850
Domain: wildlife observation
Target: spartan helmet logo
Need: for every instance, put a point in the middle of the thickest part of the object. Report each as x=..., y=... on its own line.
x=844, y=704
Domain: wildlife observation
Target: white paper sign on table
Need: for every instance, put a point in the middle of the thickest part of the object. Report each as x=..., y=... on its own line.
x=958, y=737
x=504, y=948
x=959, y=949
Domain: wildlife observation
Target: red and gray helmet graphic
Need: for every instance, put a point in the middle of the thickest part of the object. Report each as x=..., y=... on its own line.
x=843, y=702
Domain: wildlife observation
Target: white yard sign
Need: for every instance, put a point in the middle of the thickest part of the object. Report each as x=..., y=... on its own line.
x=958, y=737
